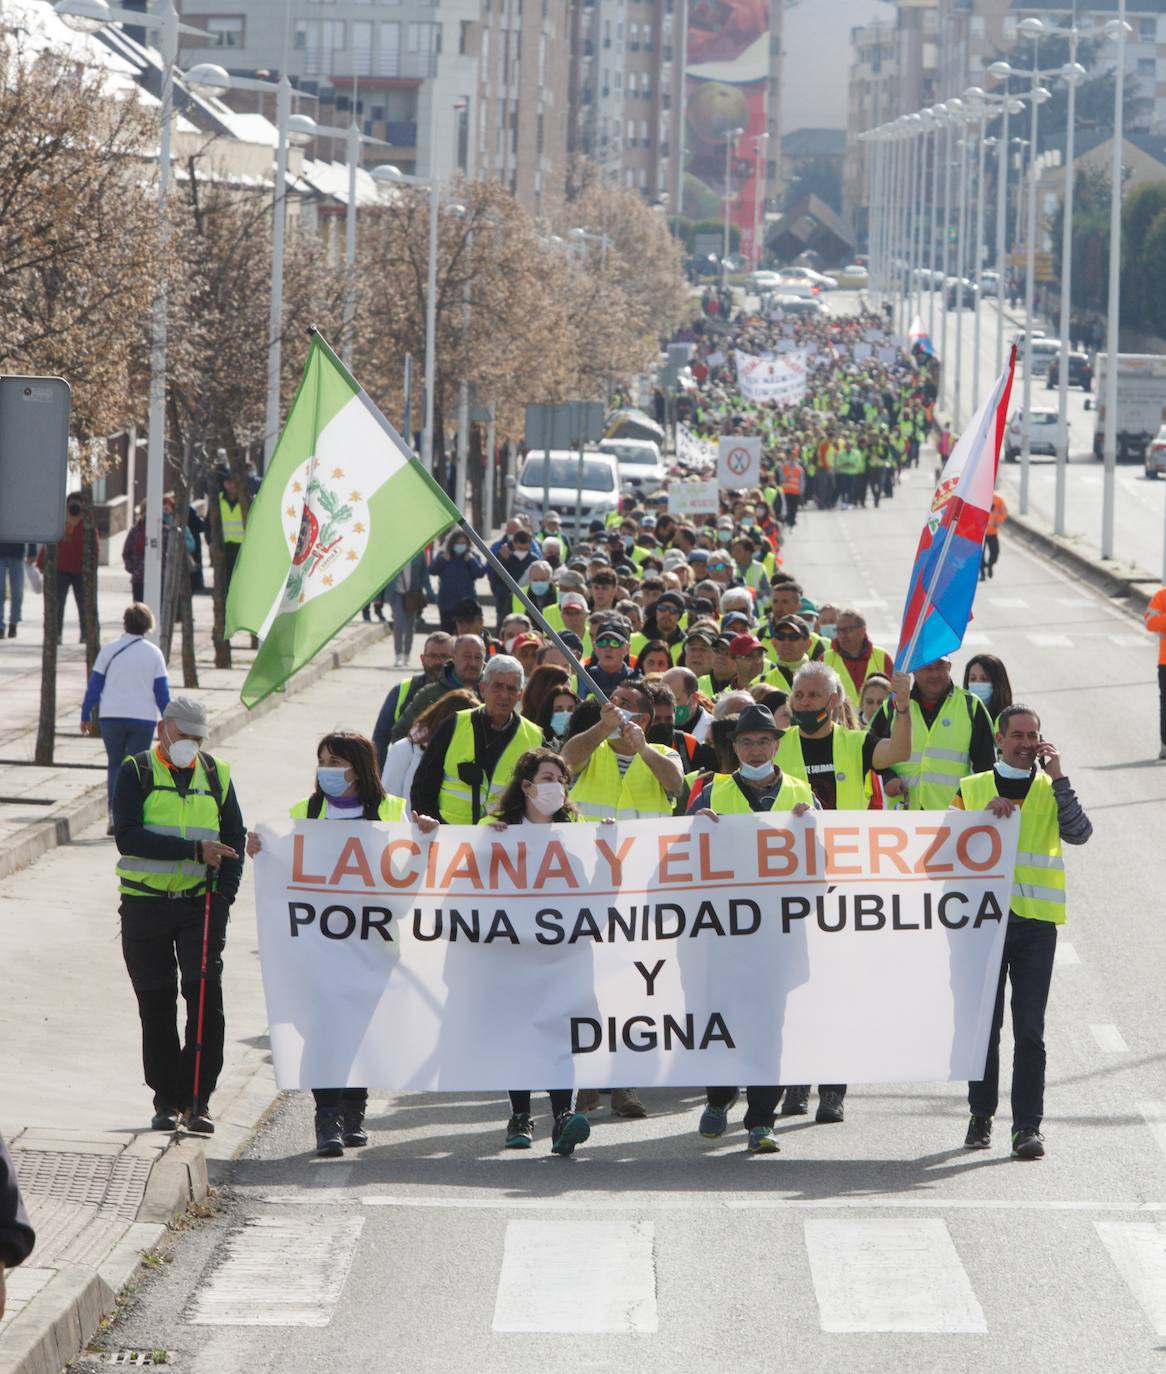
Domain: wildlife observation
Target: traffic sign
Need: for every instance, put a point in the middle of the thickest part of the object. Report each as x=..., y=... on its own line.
x=738, y=461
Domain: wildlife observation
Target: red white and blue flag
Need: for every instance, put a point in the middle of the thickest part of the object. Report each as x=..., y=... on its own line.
x=947, y=562
x=918, y=337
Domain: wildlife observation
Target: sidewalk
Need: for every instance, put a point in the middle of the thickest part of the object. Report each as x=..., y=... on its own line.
x=101, y=1188
x=43, y=807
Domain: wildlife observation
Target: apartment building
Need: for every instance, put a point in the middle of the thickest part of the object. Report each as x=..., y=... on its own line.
x=456, y=87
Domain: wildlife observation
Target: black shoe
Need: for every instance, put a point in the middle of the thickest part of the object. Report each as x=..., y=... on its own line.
x=198, y=1123
x=520, y=1131
x=380, y=614
x=570, y=1129
x=979, y=1136
x=830, y=1109
x=165, y=1119
x=352, y=1121
x=329, y=1137
x=1028, y=1143
x=12, y=632
x=366, y=615
x=796, y=1102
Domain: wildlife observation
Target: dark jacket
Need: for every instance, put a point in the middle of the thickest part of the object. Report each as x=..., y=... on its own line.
x=16, y=1235
x=455, y=578
x=424, y=698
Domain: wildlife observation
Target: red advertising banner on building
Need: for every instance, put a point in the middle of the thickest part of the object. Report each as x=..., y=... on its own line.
x=726, y=83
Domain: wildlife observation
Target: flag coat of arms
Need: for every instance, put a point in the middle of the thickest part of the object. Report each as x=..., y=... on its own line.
x=342, y=509
x=947, y=562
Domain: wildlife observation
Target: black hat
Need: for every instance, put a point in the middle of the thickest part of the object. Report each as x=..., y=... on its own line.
x=701, y=607
x=754, y=719
x=610, y=630
x=572, y=641
x=671, y=599
x=596, y=527
x=469, y=608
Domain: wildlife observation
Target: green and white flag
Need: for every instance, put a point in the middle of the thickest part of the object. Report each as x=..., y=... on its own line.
x=342, y=509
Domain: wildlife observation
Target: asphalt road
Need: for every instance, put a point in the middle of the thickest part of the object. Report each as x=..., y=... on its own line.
x=875, y=1245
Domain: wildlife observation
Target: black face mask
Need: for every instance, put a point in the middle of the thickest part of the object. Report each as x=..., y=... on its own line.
x=74, y=507
x=659, y=734
x=810, y=721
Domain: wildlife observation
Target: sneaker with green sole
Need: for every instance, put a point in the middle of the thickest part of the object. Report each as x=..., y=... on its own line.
x=762, y=1141
x=571, y=1129
x=520, y=1131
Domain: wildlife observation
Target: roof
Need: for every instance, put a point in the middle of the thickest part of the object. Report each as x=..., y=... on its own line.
x=330, y=180
x=807, y=217
x=814, y=143
x=1086, y=141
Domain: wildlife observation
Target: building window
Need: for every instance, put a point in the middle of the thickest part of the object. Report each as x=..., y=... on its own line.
x=1146, y=66
x=390, y=44
x=633, y=80
x=226, y=31
x=1147, y=30
x=422, y=37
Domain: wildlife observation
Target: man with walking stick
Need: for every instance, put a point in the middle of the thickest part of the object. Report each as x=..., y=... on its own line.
x=181, y=837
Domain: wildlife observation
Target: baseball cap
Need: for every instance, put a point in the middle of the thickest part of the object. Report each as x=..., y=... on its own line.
x=596, y=527
x=188, y=715
x=724, y=522
x=572, y=641
x=469, y=608
x=744, y=644
x=524, y=640
x=610, y=632
x=698, y=553
x=794, y=622
x=571, y=600
x=673, y=599
x=734, y=618
x=648, y=522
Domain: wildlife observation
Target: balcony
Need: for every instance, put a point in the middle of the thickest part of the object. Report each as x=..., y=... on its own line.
x=401, y=133
x=415, y=66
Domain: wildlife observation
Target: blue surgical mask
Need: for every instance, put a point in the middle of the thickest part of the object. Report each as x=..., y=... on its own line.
x=559, y=722
x=460, y=548
x=827, y=631
x=755, y=772
x=333, y=781
x=983, y=690
x=723, y=536
x=1006, y=770
x=540, y=588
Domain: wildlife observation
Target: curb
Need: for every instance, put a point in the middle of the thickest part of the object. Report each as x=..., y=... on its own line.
x=60, y=826
x=1121, y=582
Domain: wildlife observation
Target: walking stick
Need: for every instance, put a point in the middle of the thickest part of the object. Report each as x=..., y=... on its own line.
x=206, y=936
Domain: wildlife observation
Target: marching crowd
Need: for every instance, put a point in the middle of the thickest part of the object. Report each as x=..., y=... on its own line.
x=731, y=686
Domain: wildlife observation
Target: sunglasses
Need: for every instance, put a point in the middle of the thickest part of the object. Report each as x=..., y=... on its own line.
x=788, y=635
x=609, y=644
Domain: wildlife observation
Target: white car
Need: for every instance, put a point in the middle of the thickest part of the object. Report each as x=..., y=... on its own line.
x=1156, y=454
x=989, y=284
x=807, y=274
x=794, y=286
x=1042, y=433
x=641, y=469
x=762, y=281
x=557, y=483
x=1043, y=353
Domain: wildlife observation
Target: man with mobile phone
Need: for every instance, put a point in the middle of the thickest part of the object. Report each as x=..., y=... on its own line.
x=1028, y=775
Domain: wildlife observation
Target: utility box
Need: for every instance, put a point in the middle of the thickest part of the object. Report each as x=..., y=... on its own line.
x=34, y=456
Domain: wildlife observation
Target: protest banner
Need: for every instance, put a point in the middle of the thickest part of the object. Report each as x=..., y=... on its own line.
x=738, y=461
x=837, y=947
x=781, y=380
x=693, y=498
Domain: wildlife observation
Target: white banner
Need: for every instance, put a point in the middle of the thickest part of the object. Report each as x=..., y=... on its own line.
x=693, y=498
x=782, y=380
x=842, y=947
x=691, y=451
x=739, y=461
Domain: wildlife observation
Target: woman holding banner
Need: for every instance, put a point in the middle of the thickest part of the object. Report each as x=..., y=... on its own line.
x=537, y=795
x=347, y=788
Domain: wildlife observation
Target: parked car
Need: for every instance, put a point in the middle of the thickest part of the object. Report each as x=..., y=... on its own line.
x=599, y=480
x=1044, y=351
x=807, y=274
x=796, y=305
x=989, y=284
x=1080, y=372
x=1156, y=455
x=1042, y=433
x=760, y=281
x=640, y=467
x=786, y=286
x=967, y=298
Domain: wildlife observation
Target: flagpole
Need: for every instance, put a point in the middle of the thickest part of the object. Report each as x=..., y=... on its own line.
x=491, y=558
x=998, y=391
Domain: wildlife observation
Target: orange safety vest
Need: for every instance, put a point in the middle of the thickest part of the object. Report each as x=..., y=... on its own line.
x=998, y=514
x=791, y=478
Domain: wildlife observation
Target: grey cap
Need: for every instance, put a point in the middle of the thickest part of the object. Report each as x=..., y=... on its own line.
x=189, y=715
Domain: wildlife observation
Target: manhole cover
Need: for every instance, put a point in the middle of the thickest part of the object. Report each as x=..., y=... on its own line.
x=139, y=1359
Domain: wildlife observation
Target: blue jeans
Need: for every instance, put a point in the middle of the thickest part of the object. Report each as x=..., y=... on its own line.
x=122, y=738
x=12, y=574
x=1029, y=947
x=403, y=624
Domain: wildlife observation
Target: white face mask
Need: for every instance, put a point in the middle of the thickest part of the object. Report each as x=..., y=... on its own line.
x=1006, y=770
x=548, y=797
x=182, y=752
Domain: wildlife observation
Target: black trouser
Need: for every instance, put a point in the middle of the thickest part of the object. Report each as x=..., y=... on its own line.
x=839, y=1088
x=1029, y=947
x=336, y=1099
x=562, y=1100
x=876, y=485
x=792, y=498
x=230, y=558
x=1162, y=703
x=991, y=555
x=161, y=941
x=65, y=580
x=858, y=488
x=760, y=1103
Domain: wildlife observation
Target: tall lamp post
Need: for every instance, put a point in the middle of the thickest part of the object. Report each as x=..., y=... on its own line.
x=211, y=79
x=731, y=137
x=959, y=114
x=1009, y=105
x=759, y=142
x=1072, y=72
x=88, y=16
x=1117, y=30
x=394, y=176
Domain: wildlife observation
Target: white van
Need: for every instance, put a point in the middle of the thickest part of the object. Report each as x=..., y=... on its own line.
x=559, y=481
x=641, y=469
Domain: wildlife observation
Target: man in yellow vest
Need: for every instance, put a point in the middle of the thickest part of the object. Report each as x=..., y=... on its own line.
x=471, y=757
x=178, y=828
x=1028, y=775
x=233, y=521
x=835, y=762
x=617, y=772
x=758, y=784
x=951, y=737
x=853, y=657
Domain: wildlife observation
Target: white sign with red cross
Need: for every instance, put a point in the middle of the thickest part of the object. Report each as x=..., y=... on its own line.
x=738, y=461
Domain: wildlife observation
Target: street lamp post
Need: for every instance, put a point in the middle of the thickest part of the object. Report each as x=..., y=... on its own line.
x=759, y=143
x=731, y=136
x=1116, y=29
x=1032, y=28
x=388, y=173
x=936, y=127
x=958, y=112
x=1072, y=72
x=88, y=16
x=977, y=275
x=949, y=125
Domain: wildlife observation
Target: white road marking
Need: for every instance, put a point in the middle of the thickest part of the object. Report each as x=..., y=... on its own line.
x=577, y=1276
x=279, y=1273
x=1048, y=641
x=976, y=639
x=901, y=1275
x=1138, y=1251
x=1155, y=1117
x=1109, y=1039
x=1129, y=640
x=1007, y=603
x=1066, y=953
x=667, y=1202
